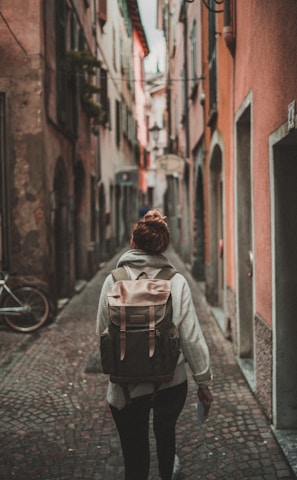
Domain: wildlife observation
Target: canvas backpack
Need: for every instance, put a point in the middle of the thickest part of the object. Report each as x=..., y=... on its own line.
x=141, y=343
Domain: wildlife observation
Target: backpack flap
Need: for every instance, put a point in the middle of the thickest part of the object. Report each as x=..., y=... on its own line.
x=142, y=292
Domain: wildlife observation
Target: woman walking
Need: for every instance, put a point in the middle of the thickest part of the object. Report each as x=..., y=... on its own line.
x=149, y=240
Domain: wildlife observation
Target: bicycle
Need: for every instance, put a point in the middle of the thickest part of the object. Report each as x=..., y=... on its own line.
x=24, y=307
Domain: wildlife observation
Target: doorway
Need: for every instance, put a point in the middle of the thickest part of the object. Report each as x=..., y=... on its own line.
x=104, y=222
x=284, y=261
x=61, y=227
x=216, y=277
x=198, y=268
x=245, y=298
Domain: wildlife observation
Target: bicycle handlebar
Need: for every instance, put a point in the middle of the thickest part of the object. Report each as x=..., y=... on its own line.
x=7, y=274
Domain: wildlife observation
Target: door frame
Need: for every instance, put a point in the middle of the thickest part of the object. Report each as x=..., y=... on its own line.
x=282, y=416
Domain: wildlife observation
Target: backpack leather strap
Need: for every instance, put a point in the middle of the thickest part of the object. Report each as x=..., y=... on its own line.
x=166, y=273
x=122, y=333
x=152, y=334
x=120, y=273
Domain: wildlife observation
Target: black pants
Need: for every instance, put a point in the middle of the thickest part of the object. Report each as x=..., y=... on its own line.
x=132, y=423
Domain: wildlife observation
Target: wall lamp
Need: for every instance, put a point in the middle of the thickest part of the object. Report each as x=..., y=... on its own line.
x=211, y=5
x=155, y=129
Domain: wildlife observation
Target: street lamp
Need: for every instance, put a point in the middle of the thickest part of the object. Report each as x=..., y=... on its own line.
x=155, y=129
x=211, y=5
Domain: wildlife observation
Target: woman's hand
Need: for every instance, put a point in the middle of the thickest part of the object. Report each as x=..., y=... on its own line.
x=204, y=394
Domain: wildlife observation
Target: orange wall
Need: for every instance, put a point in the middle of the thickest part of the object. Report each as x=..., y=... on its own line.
x=265, y=67
x=266, y=45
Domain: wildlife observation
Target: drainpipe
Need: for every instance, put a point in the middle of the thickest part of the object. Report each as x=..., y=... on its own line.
x=185, y=21
x=188, y=177
x=98, y=140
x=228, y=32
x=167, y=33
x=4, y=233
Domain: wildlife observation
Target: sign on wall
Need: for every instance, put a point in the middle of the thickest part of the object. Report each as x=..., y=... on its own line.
x=170, y=163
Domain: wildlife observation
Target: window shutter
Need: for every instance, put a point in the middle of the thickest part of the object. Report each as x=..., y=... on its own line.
x=118, y=123
x=104, y=94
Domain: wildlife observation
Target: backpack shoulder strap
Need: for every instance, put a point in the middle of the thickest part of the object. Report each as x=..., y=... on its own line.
x=166, y=273
x=120, y=273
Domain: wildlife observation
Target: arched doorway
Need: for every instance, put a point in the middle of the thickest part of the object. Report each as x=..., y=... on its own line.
x=198, y=268
x=103, y=220
x=61, y=228
x=185, y=219
x=216, y=270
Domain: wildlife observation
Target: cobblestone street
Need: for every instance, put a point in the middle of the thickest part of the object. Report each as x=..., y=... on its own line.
x=54, y=422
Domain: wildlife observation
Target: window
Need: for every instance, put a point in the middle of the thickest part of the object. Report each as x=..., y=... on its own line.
x=184, y=94
x=118, y=122
x=124, y=118
x=127, y=19
x=60, y=60
x=193, y=48
x=145, y=160
x=102, y=11
x=93, y=209
x=122, y=56
x=174, y=27
x=212, y=59
x=81, y=47
x=114, y=48
x=104, y=94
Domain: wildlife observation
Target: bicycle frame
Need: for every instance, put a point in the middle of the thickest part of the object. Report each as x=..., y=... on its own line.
x=15, y=311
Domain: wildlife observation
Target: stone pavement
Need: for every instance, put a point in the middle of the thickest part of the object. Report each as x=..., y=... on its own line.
x=54, y=422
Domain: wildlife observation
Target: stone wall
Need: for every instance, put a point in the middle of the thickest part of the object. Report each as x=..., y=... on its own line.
x=263, y=355
x=230, y=319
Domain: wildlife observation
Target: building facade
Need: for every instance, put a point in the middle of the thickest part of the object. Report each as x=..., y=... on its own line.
x=69, y=138
x=232, y=118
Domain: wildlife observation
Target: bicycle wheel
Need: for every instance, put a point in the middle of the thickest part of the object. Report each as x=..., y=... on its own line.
x=36, y=308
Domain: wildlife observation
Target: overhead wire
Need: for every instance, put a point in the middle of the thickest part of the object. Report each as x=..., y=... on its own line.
x=13, y=34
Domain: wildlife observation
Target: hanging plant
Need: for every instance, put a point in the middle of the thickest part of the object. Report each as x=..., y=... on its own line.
x=91, y=89
x=81, y=61
x=84, y=64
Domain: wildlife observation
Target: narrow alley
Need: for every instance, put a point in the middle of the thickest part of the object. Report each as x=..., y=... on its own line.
x=55, y=425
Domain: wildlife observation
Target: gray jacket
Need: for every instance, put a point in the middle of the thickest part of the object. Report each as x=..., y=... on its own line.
x=193, y=345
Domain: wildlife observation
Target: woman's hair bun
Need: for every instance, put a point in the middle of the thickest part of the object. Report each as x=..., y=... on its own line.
x=151, y=233
x=155, y=216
